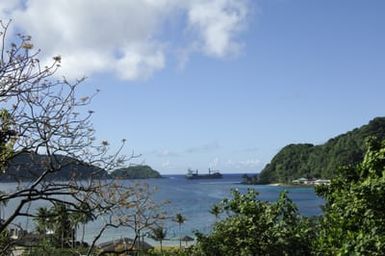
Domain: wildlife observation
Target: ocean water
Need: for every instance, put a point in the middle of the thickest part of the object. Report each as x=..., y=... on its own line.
x=193, y=199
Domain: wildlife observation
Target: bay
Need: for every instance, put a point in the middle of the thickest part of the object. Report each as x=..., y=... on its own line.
x=194, y=199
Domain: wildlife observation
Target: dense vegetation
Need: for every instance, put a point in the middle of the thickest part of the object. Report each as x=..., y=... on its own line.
x=354, y=216
x=321, y=161
x=136, y=172
x=255, y=227
x=353, y=222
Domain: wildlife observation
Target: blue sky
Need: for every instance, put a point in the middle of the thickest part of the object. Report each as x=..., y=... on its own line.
x=221, y=84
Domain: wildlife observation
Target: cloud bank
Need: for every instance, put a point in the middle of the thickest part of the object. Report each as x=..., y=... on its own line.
x=243, y=164
x=128, y=37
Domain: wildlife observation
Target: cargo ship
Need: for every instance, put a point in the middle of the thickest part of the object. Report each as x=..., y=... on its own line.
x=192, y=175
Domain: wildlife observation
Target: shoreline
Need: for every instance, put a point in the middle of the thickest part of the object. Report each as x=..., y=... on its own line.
x=279, y=185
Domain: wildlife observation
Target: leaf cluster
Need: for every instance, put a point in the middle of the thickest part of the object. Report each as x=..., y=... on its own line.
x=354, y=219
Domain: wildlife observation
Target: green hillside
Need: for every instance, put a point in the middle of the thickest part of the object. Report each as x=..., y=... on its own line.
x=321, y=161
x=28, y=166
x=136, y=172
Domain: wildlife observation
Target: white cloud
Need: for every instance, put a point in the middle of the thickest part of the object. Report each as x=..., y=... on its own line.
x=164, y=153
x=126, y=37
x=244, y=164
x=204, y=148
x=217, y=22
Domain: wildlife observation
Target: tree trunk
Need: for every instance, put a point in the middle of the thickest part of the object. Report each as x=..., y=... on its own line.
x=180, y=237
x=83, y=232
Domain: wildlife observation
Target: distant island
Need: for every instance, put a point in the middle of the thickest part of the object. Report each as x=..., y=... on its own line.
x=310, y=161
x=27, y=166
x=136, y=172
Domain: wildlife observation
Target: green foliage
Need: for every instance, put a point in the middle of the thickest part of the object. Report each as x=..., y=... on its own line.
x=216, y=211
x=6, y=138
x=322, y=161
x=254, y=227
x=62, y=226
x=43, y=220
x=136, y=172
x=4, y=242
x=61, y=221
x=354, y=219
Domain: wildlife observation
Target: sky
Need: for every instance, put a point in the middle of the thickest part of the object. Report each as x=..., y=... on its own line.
x=221, y=84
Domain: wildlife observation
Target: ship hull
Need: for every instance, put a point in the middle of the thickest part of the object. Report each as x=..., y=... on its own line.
x=204, y=176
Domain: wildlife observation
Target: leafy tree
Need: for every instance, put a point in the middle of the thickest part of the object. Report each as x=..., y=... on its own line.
x=60, y=221
x=354, y=216
x=7, y=136
x=45, y=121
x=42, y=115
x=132, y=208
x=254, y=227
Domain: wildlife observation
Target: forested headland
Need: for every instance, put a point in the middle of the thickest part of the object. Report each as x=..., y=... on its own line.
x=321, y=161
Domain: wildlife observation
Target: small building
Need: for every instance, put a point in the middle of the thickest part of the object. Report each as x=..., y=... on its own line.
x=304, y=181
x=321, y=182
x=300, y=181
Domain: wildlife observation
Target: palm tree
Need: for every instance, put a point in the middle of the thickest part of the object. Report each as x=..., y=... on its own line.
x=159, y=234
x=42, y=220
x=84, y=218
x=62, y=223
x=180, y=219
x=75, y=220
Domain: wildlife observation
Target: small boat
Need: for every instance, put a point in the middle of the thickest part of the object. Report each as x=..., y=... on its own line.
x=192, y=175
